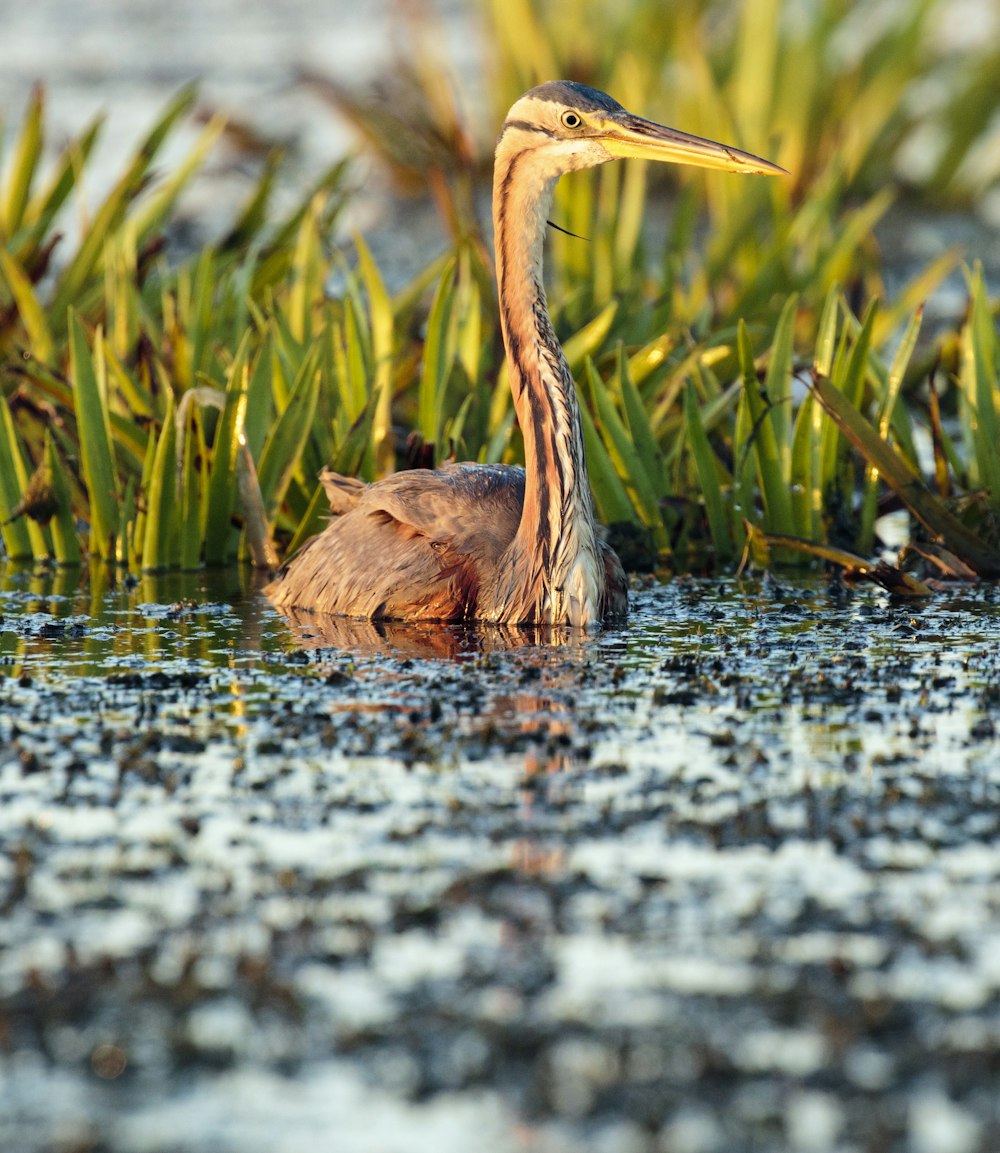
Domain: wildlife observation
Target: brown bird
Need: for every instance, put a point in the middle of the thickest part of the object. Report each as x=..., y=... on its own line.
x=498, y=543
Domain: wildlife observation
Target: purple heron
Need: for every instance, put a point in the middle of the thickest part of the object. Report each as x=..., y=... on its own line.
x=499, y=543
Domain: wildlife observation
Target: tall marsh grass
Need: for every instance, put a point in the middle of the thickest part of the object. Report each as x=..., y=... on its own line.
x=742, y=377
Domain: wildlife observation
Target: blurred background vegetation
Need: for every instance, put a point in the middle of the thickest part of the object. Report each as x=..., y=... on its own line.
x=756, y=369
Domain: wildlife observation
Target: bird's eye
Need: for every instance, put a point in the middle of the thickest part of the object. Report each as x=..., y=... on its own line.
x=571, y=120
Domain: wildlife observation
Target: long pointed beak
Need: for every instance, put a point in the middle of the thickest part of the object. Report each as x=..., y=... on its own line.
x=631, y=136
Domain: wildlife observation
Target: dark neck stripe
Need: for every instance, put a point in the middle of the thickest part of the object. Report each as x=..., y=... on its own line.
x=527, y=126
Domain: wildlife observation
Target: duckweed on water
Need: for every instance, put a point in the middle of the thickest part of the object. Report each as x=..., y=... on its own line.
x=724, y=877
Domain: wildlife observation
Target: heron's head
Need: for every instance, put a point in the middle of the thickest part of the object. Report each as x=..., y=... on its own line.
x=566, y=126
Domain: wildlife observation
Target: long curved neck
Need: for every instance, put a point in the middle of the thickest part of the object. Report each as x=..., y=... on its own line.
x=556, y=542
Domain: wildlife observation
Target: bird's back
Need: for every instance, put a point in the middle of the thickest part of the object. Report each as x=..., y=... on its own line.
x=416, y=545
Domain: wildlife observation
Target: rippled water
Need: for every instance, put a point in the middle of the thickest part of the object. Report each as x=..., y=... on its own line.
x=726, y=879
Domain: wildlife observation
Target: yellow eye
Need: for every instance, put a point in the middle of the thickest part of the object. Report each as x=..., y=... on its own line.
x=571, y=120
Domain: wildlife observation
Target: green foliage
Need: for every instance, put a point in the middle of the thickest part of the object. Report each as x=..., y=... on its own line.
x=741, y=378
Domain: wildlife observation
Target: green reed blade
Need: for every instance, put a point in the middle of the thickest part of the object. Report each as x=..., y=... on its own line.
x=983, y=395
x=96, y=449
x=589, y=339
x=308, y=273
x=260, y=409
x=806, y=458
x=156, y=207
x=160, y=543
x=640, y=430
x=23, y=538
x=438, y=358
x=773, y=479
x=65, y=542
x=778, y=381
x=22, y=166
x=468, y=320
x=351, y=450
x=610, y=496
x=826, y=335
x=382, y=322
x=887, y=407
x=744, y=464
x=284, y=447
x=254, y=215
x=313, y=520
x=193, y=485
x=33, y=315
x=44, y=206
x=353, y=380
x=220, y=536
x=903, y=479
x=111, y=213
x=129, y=538
x=708, y=475
x=622, y=452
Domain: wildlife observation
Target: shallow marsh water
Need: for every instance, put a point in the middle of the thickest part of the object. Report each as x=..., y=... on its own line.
x=726, y=879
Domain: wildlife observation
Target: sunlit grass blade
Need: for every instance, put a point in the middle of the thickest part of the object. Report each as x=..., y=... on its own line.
x=630, y=468
x=640, y=430
x=708, y=476
x=778, y=381
x=756, y=68
x=826, y=335
x=156, y=207
x=610, y=496
x=23, y=538
x=887, y=407
x=588, y=340
x=33, y=315
x=438, y=355
x=159, y=549
x=284, y=447
x=312, y=521
x=220, y=534
x=351, y=451
x=22, y=166
x=806, y=494
x=44, y=206
x=773, y=479
x=382, y=330
x=192, y=482
x=112, y=211
x=353, y=375
x=979, y=377
x=903, y=479
x=97, y=453
x=308, y=271
x=65, y=542
x=914, y=295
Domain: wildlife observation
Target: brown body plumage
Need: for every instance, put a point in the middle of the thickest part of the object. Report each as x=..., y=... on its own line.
x=494, y=542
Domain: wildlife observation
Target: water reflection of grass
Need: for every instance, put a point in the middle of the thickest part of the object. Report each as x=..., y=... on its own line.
x=178, y=414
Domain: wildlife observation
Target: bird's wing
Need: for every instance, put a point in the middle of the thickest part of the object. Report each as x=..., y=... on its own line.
x=343, y=492
x=412, y=545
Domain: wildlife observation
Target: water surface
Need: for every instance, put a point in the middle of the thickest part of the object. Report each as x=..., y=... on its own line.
x=727, y=878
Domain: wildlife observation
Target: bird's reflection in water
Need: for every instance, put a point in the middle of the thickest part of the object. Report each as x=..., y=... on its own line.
x=517, y=701
x=423, y=639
